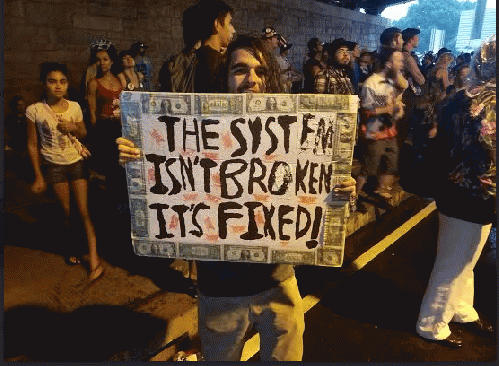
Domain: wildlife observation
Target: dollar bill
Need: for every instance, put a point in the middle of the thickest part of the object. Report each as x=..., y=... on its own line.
x=136, y=177
x=330, y=257
x=293, y=257
x=242, y=253
x=200, y=251
x=130, y=121
x=324, y=102
x=144, y=101
x=139, y=217
x=154, y=249
x=264, y=103
x=167, y=103
x=218, y=104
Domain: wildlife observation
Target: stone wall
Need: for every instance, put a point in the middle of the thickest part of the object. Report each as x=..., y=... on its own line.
x=37, y=31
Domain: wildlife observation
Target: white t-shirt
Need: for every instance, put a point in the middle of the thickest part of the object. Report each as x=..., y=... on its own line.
x=56, y=147
x=375, y=93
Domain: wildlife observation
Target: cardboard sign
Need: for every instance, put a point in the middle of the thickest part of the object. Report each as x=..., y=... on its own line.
x=239, y=177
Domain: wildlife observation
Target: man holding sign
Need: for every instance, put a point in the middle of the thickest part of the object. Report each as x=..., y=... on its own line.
x=235, y=296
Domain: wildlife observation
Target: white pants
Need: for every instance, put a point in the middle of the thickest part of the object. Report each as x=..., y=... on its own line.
x=277, y=315
x=449, y=296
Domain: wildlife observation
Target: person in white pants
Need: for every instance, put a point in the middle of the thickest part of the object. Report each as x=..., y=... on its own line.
x=466, y=201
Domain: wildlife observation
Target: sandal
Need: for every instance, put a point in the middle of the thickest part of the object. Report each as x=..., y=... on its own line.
x=97, y=273
x=72, y=260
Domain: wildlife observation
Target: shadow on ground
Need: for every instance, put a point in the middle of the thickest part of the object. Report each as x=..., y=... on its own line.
x=88, y=334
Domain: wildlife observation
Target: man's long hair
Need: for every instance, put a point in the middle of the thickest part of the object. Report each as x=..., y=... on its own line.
x=254, y=45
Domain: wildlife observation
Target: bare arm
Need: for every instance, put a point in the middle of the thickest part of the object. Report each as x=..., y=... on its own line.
x=122, y=80
x=92, y=101
x=444, y=76
x=413, y=69
x=39, y=184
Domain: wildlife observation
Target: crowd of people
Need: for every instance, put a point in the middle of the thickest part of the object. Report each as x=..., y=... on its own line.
x=429, y=122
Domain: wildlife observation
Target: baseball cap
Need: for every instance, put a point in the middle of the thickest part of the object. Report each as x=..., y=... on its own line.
x=408, y=33
x=388, y=34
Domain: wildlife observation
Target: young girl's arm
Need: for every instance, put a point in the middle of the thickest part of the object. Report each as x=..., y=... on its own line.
x=39, y=184
x=77, y=127
x=92, y=100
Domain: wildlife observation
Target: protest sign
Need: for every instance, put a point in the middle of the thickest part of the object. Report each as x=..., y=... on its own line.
x=239, y=177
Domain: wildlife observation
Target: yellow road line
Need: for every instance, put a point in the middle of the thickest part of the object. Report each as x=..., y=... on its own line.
x=372, y=253
x=252, y=345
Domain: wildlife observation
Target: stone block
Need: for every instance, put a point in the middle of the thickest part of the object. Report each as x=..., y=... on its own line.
x=97, y=23
x=76, y=36
x=43, y=13
x=165, y=11
x=13, y=8
x=16, y=35
x=164, y=25
x=17, y=57
x=53, y=56
x=177, y=32
x=104, y=10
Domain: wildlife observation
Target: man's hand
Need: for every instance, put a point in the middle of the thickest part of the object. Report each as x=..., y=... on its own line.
x=345, y=189
x=127, y=149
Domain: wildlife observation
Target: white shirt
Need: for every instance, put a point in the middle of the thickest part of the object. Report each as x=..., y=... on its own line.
x=56, y=147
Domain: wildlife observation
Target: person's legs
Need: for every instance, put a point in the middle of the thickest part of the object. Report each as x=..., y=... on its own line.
x=279, y=319
x=223, y=323
x=80, y=190
x=387, y=180
x=458, y=245
x=371, y=160
x=62, y=193
x=465, y=312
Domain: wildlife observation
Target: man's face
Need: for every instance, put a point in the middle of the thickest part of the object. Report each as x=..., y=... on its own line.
x=356, y=51
x=272, y=42
x=415, y=41
x=21, y=106
x=397, y=63
x=342, y=55
x=398, y=42
x=246, y=73
x=225, y=30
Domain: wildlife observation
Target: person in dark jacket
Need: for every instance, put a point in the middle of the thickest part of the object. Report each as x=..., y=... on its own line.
x=466, y=201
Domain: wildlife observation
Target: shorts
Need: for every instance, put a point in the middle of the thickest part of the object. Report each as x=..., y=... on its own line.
x=58, y=173
x=381, y=157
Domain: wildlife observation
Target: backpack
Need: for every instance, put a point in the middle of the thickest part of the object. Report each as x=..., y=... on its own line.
x=177, y=73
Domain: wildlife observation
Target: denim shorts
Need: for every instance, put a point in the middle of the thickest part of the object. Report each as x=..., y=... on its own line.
x=58, y=173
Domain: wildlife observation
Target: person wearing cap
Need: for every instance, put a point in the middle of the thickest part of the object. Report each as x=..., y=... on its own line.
x=271, y=39
x=335, y=79
x=289, y=74
x=411, y=42
x=143, y=64
x=392, y=37
x=414, y=76
x=313, y=65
